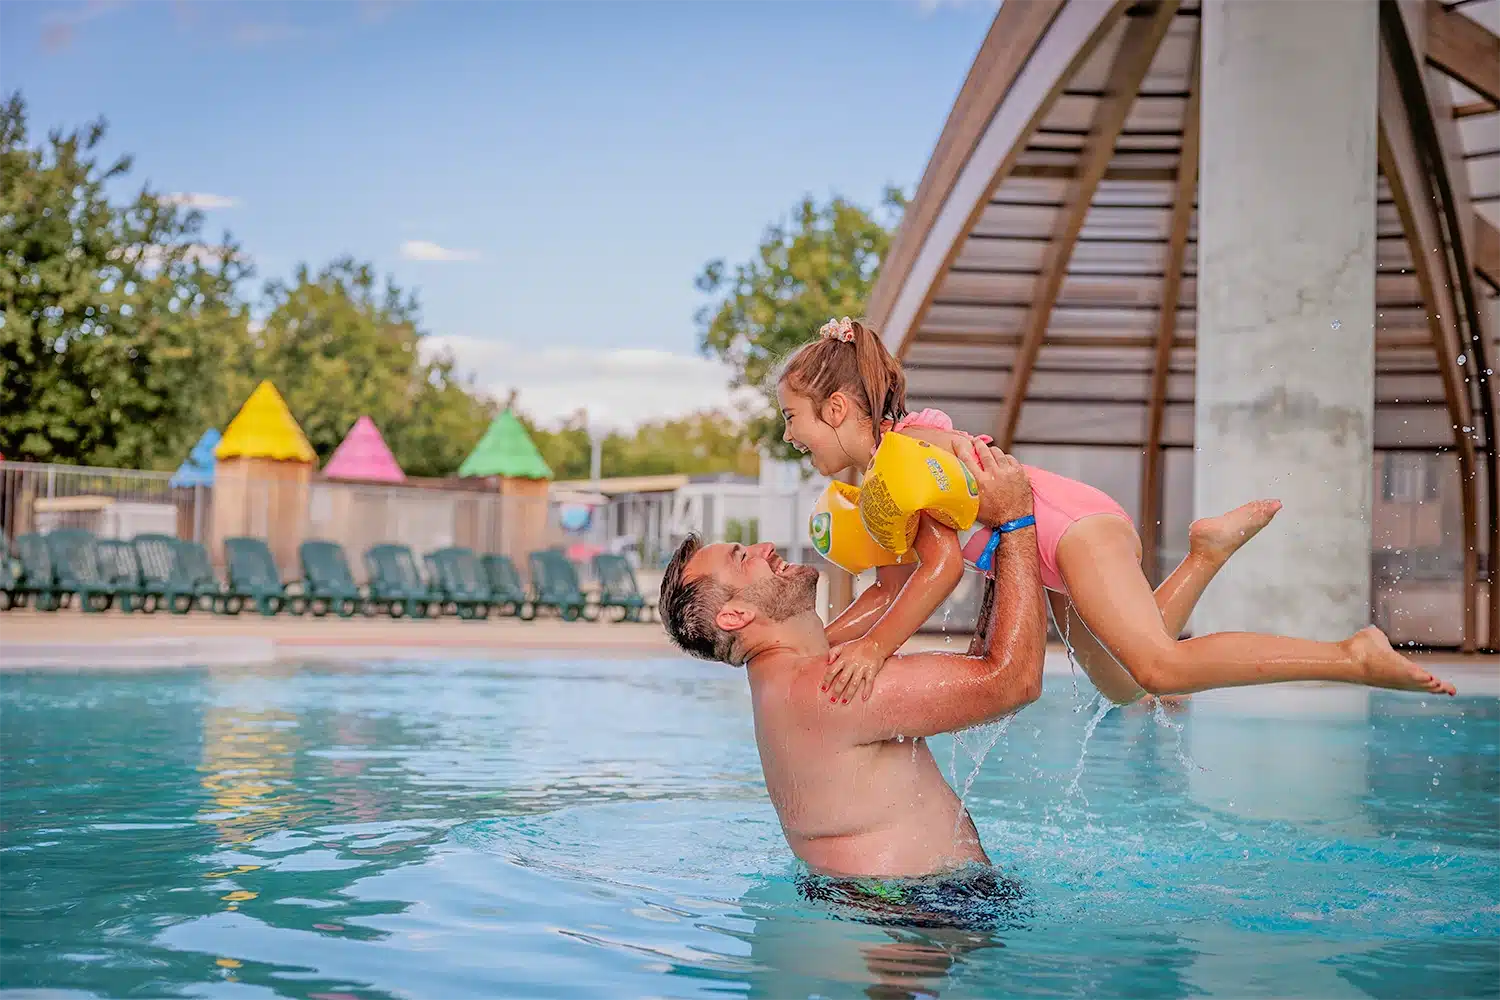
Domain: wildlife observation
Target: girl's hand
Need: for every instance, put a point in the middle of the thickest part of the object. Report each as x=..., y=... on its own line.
x=852, y=666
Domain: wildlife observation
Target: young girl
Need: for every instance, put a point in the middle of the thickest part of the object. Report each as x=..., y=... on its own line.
x=839, y=394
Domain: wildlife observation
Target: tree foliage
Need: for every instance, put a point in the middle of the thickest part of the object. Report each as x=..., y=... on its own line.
x=821, y=263
x=340, y=344
x=447, y=417
x=123, y=336
x=114, y=319
x=699, y=444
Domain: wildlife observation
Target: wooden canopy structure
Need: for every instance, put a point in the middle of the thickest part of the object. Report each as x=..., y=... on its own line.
x=1042, y=284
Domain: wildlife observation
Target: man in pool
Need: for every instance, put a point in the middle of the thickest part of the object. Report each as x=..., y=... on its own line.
x=855, y=786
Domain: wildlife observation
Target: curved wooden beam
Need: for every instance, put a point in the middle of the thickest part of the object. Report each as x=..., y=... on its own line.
x=1143, y=36
x=1400, y=162
x=1464, y=49
x=1015, y=32
x=1062, y=51
x=1183, y=200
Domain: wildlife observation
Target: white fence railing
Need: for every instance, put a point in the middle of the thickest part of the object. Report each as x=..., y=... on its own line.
x=112, y=503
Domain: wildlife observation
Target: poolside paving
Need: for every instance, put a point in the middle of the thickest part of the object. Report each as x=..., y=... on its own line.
x=29, y=638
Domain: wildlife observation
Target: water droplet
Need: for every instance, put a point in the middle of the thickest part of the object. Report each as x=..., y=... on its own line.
x=1434, y=782
x=900, y=738
x=1336, y=324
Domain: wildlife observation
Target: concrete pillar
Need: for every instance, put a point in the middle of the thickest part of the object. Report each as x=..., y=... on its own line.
x=1286, y=307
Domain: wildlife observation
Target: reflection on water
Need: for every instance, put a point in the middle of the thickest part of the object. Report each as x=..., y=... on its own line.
x=564, y=829
x=247, y=771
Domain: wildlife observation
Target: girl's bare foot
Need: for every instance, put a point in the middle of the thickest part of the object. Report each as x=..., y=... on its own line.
x=1383, y=667
x=1218, y=538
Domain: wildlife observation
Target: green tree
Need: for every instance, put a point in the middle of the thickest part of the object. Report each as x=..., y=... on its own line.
x=565, y=448
x=114, y=319
x=448, y=415
x=697, y=444
x=339, y=343
x=820, y=264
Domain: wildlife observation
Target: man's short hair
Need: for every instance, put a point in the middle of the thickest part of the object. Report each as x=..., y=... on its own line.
x=688, y=607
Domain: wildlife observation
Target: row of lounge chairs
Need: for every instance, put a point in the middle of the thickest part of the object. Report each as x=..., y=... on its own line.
x=158, y=572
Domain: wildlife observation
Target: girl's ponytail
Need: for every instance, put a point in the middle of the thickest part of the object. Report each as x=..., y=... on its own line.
x=848, y=357
x=880, y=375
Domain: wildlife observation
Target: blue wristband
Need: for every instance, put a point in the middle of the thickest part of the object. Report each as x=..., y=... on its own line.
x=1017, y=524
x=986, y=560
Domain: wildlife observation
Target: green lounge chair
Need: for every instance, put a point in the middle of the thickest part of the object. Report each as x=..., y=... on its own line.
x=507, y=593
x=177, y=575
x=618, y=588
x=75, y=561
x=198, y=574
x=554, y=584
x=120, y=568
x=254, y=578
x=38, y=582
x=460, y=582
x=327, y=583
x=156, y=555
x=396, y=585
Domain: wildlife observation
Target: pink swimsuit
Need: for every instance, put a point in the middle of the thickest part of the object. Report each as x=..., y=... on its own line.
x=1057, y=501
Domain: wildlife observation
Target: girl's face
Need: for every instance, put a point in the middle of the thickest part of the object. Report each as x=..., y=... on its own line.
x=818, y=435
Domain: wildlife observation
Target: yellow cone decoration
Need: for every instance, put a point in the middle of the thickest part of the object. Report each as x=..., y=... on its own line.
x=265, y=428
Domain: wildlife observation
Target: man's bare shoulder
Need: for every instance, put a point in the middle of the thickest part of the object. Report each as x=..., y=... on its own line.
x=791, y=684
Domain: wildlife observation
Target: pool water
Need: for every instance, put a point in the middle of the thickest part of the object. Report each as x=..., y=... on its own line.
x=582, y=829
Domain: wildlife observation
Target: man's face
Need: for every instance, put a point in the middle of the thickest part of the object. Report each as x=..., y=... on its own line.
x=758, y=576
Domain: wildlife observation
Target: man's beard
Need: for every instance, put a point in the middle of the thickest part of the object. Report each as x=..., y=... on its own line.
x=783, y=597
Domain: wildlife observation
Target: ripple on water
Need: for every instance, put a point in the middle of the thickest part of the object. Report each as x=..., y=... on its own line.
x=686, y=839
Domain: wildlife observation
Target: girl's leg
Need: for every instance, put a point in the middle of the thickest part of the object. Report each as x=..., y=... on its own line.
x=1211, y=541
x=1099, y=561
x=1104, y=671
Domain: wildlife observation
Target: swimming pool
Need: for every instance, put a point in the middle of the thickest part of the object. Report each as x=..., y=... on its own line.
x=547, y=828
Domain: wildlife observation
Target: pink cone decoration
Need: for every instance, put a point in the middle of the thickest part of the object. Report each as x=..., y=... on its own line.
x=363, y=455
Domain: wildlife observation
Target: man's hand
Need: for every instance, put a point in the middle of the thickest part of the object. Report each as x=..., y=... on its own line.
x=1004, y=490
x=852, y=665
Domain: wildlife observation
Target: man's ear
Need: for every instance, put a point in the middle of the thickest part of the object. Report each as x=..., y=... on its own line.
x=734, y=615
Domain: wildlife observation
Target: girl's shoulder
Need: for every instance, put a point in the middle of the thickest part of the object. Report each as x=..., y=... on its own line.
x=933, y=435
x=932, y=426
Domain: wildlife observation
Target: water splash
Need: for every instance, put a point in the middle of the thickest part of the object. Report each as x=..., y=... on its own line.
x=1105, y=707
x=1066, y=631
x=981, y=740
x=1160, y=715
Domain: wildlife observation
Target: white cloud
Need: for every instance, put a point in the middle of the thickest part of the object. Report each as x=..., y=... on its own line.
x=621, y=388
x=200, y=199
x=424, y=250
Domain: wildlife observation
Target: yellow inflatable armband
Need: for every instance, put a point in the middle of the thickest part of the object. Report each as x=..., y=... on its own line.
x=840, y=536
x=907, y=478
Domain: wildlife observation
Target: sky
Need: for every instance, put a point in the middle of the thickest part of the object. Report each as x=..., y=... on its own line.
x=548, y=177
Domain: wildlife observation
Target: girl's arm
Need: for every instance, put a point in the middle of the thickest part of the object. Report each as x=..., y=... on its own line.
x=857, y=662
x=867, y=608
